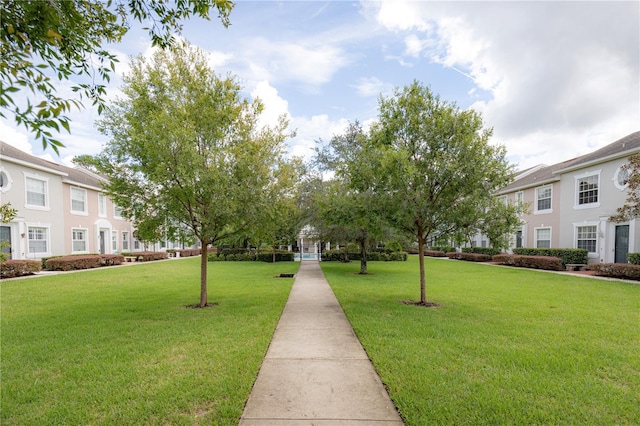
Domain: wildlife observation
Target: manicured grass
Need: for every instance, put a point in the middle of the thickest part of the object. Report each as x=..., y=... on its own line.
x=118, y=345
x=507, y=346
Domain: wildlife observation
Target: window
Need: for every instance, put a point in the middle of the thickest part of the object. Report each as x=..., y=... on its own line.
x=114, y=241
x=621, y=178
x=587, y=190
x=125, y=241
x=503, y=199
x=519, y=198
x=543, y=199
x=36, y=193
x=5, y=180
x=78, y=200
x=102, y=205
x=38, y=240
x=586, y=237
x=136, y=244
x=117, y=211
x=543, y=237
x=79, y=238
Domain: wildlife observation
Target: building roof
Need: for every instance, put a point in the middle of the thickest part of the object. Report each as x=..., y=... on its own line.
x=71, y=175
x=624, y=147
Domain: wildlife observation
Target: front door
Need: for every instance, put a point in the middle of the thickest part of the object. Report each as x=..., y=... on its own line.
x=622, y=243
x=5, y=239
x=102, y=242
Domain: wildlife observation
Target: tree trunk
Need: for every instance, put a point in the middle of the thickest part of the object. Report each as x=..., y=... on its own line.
x=363, y=256
x=423, y=293
x=203, y=273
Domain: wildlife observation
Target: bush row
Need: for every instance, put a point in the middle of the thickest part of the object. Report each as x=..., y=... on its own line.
x=471, y=257
x=72, y=263
x=633, y=258
x=19, y=267
x=444, y=249
x=567, y=255
x=549, y=263
x=481, y=250
x=280, y=256
x=337, y=255
x=436, y=253
x=188, y=252
x=617, y=270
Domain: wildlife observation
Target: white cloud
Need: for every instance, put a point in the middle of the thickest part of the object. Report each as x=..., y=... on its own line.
x=15, y=137
x=401, y=16
x=274, y=105
x=372, y=86
x=312, y=130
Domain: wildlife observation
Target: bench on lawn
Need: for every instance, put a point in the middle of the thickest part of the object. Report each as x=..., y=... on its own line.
x=131, y=258
x=576, y=266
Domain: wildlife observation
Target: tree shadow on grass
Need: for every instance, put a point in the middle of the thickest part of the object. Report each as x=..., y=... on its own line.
x=422, y=304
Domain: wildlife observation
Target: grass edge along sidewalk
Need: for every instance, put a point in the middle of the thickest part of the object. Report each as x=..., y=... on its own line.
x=507, y=346
x=118, y=345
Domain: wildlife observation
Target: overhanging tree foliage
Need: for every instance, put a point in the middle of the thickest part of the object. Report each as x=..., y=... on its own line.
x=186, y=149
x=631, y=208
x=56, y=40
x=436, y=171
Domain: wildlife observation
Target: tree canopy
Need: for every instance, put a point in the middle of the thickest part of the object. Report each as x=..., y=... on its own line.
x=57, y=40
x=186, y=149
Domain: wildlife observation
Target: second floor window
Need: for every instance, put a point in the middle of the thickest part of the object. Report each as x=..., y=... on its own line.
x=36, y=192
x=78, y=200
x=588, y=190
x=102, y=205
x=543, y=199
x=117, y=211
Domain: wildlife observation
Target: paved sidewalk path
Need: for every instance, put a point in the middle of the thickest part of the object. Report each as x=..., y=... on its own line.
x=315, y=371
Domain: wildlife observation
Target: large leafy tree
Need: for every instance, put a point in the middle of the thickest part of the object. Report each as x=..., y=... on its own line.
x=55, y=40
x=348, y=204
x=436, y=170
x=631, y=208
x=186, y=149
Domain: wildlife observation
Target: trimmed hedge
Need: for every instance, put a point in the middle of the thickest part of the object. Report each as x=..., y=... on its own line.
x=72, y=263
x=617, y=270
x=471, y=257
x=112, y=259
x=373, y=256
x=435, y=253
x=633, y=258
x=444, y=249
x=146, y=256
x=567, y=255
x=19, y=267
x=548, y=263
x=244, y=255
x=188, y=252
x=481, y=250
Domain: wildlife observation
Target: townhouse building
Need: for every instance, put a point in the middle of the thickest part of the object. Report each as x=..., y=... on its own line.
x=60, y=210
x=570, y=204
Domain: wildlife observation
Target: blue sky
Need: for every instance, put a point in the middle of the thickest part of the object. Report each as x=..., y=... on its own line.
x=554, y=79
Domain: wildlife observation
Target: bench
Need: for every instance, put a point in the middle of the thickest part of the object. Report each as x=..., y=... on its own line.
x=131, y=258
x=576, y=266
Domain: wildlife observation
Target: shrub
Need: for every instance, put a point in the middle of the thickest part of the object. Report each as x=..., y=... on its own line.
x=112, y=259
x=72, y=263
x=338, y=255
x=633, y=258
x=19, y=267
x=281, y=256
x=436, y=253
x=490, y=251
x=568, y=256
x=536, y=262
x=146, y=256
x=471, y=257
x=188, y=252
x=444, y=249
x=617, y=270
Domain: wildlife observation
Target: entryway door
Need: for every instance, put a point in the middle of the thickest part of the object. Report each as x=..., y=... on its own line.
x=5, y=237
x=622, y=243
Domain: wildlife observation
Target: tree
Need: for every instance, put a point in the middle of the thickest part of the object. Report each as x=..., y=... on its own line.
x=186, y=149
x=631, y=208
x=436, y=171
x=45, y=41
x=348, y=202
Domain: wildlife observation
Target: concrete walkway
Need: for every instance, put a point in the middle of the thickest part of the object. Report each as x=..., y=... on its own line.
x=315, y=371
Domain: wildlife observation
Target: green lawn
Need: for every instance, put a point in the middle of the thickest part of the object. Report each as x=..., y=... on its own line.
x=507, y=346
x=118, y=346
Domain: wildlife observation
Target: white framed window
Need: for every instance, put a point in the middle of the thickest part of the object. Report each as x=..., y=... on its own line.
x=136, y=244
x=543, y=199
x=519, y=198
x=5, y=180
x=38, y=241
x=79, y=240
x=37, y=192
x=125, y=241
x=79, y=201
x=117, y=212
x=102, y=205
x=114, y=241
x=542, y=237
x=503, y=199
x=621, y=178
x=587, y=237
x=587, y=190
